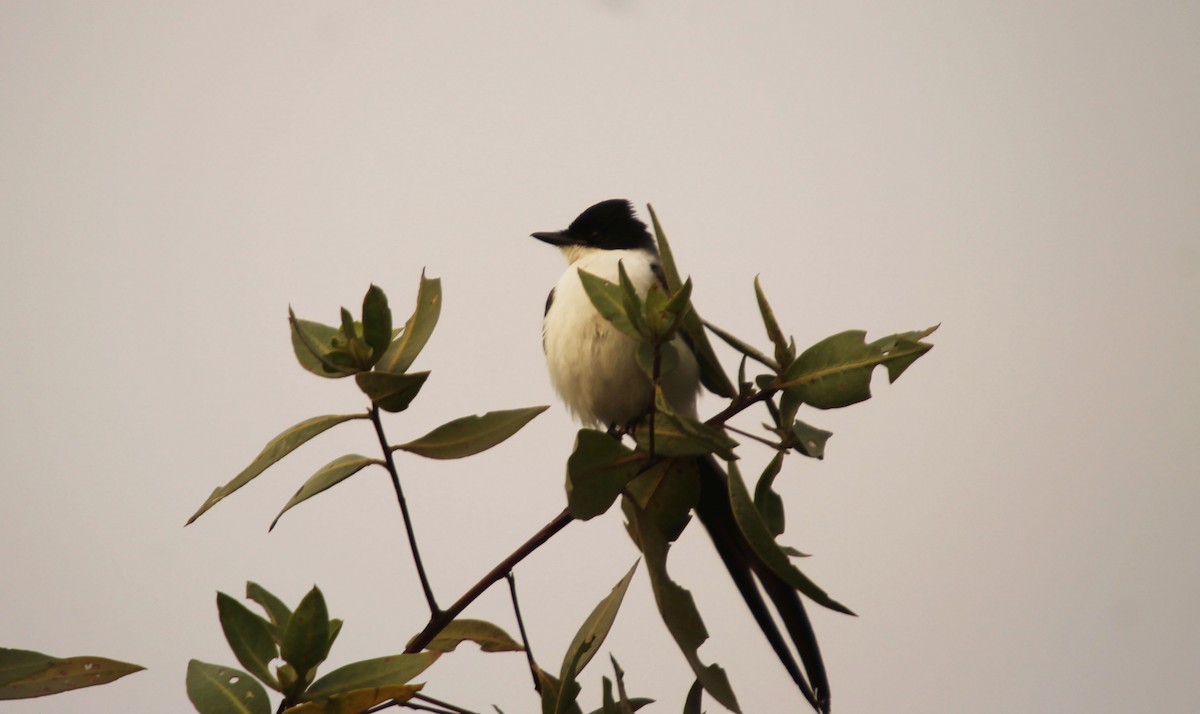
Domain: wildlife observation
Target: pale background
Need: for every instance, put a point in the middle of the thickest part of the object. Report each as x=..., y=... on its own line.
x=1016, y=521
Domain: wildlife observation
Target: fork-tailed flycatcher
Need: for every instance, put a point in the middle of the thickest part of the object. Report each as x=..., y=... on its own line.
x=594, y=369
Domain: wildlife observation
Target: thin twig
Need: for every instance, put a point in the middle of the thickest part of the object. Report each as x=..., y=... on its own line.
x=738, y=406
x=755, y=437
x=439, y=620
x=445, y=705
x=425, y=708
x=512, y=589
x=434, y=611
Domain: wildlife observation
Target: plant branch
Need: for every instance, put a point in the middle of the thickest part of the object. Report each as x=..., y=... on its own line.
x=739, y=405
x=445, y=706
x=390, y=463
x=438, y=620
x=755, y=437
x=512, y=589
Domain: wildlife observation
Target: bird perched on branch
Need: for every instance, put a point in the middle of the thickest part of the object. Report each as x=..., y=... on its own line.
x=594, y=368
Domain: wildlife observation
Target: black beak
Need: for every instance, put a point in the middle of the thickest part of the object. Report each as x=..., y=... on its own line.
x=557, y=238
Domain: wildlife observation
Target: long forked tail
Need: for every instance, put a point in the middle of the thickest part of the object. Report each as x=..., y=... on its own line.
x=745, y=567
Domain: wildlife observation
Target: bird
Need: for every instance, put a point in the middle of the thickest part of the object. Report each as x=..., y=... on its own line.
x=592, y=364
x=593, y=368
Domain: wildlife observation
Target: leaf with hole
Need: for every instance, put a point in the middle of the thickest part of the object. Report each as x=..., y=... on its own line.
x=214, y=689
x=274, y=607
x=249, y=636
x=809, y=440
x=489, y=637
x=25, y=674
x=836, y=372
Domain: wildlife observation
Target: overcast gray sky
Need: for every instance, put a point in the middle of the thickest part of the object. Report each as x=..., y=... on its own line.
x=1015, y=521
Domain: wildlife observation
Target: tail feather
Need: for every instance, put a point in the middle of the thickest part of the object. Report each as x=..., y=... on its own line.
x=740, y=560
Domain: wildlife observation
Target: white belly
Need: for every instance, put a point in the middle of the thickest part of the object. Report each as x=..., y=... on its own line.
x=592, y=364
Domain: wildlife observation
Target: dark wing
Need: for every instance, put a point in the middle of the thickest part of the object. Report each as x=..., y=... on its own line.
x=549, y=302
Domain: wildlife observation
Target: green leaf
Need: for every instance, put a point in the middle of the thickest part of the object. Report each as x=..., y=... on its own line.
x=18, y=664
x=489, y=637
x=691, y=705
x=758, y=535
x=276, y=449
x=327, y=477
x=306, y=639
x=356, y=701
x=904, y=349
x=809, y=440
x=404, y=350
x=599, y=467
x=711, y=373
x=634, y=309
x=609, y=301
x=391, y=392
x=376, y=322
x=784, y=352
x=467, y=436
x=335, y=629
x=25, y=674
x=274, y=607
x=249, y=637
x=667, y=492
x=551, y=693
x=657, y=320
x=768, y=502
x=836, y=372
x=594, y=629
x=676, y=436
x=680, y=303
x=214, y=689
x=607, y=704
x=789, y=407
x=743, y=385
x=319, y=348
x=744, y=347
x=624, y=706
x=668, y=358
x=635, y=703
x=677, y=607
x=371, y=673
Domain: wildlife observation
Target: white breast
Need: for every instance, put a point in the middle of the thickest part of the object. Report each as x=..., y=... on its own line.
x=592, y=365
